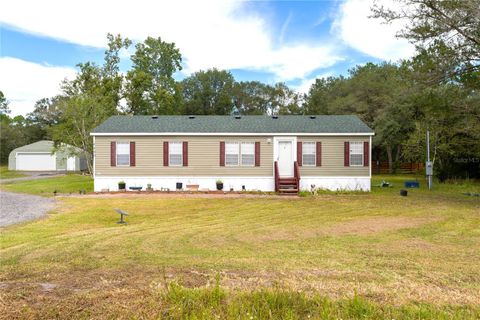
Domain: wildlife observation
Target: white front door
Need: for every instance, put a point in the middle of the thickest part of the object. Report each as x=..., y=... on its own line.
x=71, y=163
x=285, y=159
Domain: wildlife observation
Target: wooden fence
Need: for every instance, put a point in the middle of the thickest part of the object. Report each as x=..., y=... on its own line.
x=382, y=167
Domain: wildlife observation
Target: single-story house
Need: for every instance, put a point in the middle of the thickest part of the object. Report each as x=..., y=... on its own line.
x=41, y=156
x=267, y=153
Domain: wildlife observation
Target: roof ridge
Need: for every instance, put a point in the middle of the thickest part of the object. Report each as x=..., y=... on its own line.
x=249, y=124
x=232, y=116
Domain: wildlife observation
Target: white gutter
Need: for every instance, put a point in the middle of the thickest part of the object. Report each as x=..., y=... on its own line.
x=228, y=134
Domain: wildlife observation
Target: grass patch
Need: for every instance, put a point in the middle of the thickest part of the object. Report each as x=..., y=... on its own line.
x=185, y=303
x=70, y=183
x=175, y=301
x=449, y=188
x=7, y=174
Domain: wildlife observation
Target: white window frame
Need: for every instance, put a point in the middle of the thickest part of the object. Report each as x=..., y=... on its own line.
x=238, y=154
x=356, y=143
x=242, y=154
x=314, y=154
x=170, y=143
x=117, y=153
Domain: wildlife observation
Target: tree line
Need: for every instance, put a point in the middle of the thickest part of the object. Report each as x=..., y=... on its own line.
x=436, y=90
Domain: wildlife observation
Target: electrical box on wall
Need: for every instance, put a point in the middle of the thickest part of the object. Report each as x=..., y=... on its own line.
x=429, y=168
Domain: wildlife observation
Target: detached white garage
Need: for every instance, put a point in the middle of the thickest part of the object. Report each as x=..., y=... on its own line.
x=33, y=161
x=39, y=156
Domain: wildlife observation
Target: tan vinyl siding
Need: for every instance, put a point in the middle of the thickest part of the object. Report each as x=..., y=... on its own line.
x=204, y=153
x=332, y=158
x=203, y=157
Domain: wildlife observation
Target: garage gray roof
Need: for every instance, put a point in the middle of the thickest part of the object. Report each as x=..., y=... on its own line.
x=39, y=146
x=231, y=124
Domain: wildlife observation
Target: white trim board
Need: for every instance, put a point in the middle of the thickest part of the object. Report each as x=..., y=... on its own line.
x=183, y=177
x=220, y=134
x=370, y=158
x=94, y=156
x=221, y=177
x=334, y=177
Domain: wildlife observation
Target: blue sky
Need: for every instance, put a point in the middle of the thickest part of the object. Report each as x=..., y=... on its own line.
x=289, y=41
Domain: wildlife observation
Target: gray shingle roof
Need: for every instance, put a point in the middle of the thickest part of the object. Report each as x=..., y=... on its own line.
x=45, y=146
x=40, y=146
x=230, y=124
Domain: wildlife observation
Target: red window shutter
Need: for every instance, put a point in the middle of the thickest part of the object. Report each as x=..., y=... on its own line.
x=132, y=154
x=185, y=153
x=319, y=154
x=346, y=154
x=113, y=154
x=366, y=153
x=165, y=153
x=257, y=154
x=222, y=153
x=299, y=153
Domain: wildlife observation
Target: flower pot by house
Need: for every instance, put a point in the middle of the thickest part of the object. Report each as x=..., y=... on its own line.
x=192, y=187
x=121, y=185
x=219, y=186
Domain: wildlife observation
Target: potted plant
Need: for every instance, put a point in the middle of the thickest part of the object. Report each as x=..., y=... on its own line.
x=219, y=185
x=192, y=187
x=149, y=187
x=122, y=185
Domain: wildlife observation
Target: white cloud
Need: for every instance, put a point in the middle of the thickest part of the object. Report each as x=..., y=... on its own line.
x=305, y=84
x=23, y=82
x=284, y=28
x=370, y=35
x=210, y=33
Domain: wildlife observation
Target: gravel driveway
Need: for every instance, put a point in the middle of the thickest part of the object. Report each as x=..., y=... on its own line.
x=35, y=175
x=16, y=207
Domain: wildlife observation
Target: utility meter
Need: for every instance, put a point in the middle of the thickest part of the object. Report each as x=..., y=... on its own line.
x=429, y=168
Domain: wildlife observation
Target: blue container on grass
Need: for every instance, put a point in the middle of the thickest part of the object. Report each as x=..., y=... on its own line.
x=412, y=184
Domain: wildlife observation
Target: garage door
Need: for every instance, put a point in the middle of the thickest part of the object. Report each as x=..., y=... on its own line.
x=35, y=161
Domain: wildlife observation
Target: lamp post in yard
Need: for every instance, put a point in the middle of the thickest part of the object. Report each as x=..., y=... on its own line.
x=429, y=164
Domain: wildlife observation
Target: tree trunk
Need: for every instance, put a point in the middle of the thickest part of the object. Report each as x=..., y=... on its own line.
x=397, y=157
x=89, y=162
x=390, y=159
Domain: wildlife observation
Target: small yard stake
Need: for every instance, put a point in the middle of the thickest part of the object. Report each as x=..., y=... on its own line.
x=122, y=214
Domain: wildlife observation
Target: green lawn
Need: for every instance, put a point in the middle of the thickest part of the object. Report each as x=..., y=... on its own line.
x=450, y=188
x=360, y=255
x=70, y=183
x=7, y=174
